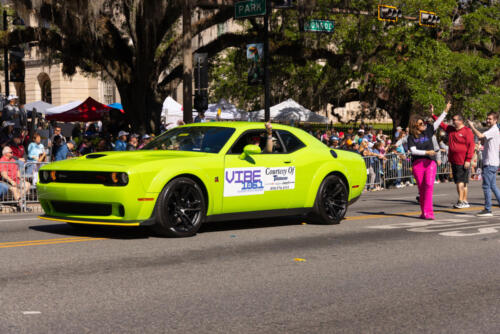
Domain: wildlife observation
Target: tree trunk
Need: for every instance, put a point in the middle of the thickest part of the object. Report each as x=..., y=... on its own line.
x=142, y=107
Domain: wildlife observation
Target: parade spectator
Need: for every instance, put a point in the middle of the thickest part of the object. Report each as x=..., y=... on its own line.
x=132, y=143
x=65, y=151
x=460, y=153
x=146, y=139
x=102, y=146
x=11, y=175
x=12, y=112
x=121, y=143
x=424, y=160
x=6, y=133
x=491, y=141
x=85, y=146
x=200, y=118
x=17, y=147
x=36, y=151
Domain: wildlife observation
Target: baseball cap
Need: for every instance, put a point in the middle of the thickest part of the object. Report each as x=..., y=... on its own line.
x=341, y=134
x=8, y=123
x=335, y=138
x=122, y=133
x=399, y=128
x=361, y=130
x=135, y=135
x=12, y=97
x=71, y=142
x=146, y=136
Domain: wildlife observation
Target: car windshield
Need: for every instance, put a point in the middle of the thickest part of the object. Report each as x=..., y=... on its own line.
x=208, y=139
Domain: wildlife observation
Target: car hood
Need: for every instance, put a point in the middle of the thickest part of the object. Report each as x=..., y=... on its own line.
x=120, y=161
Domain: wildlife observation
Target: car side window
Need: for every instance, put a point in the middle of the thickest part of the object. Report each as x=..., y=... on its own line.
x=248, y=137
x=291, y=142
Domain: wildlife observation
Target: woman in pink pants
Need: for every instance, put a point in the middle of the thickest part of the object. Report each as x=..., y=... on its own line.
x=424, y=160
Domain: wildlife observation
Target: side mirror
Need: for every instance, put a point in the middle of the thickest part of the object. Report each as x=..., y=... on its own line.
x=249, y=150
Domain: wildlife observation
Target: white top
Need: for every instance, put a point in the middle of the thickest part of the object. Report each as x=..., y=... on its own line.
x=491, y=147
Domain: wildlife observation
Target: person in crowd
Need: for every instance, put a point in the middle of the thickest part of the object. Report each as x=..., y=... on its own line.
x=85, y=146
x=424, y=165
x=6, y=133
x=36, y=151
x=11, y=175
x=65, y=151
x=491, y=141
x=121, y=143
x=334, y=142
x=378, y=166
x=200, y=118
x=370, y=160
x=146, y=139
x=12, y=112
x=461, y=150
x=255, y=140
x=133, y=142
x=102, y=145
x=17, y=147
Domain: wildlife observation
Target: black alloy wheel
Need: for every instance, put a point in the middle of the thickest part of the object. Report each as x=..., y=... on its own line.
x=331, y=201
x=180, y=209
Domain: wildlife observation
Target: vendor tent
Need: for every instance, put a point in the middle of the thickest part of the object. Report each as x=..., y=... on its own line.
x=229, y=112
x=77, y=111
x=290, y=110
x=40, y=106
x=172, y=111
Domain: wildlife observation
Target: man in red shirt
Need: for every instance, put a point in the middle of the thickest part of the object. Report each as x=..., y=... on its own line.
x=460, y=153
x=11, y=175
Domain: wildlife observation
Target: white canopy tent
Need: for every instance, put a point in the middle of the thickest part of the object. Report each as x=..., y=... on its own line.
x=172, y=111
x=63, y=108
x=229, y=112
x=40, y=106
x=290, y=110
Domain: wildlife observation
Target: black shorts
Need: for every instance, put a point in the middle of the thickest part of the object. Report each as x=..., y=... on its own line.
x=460, y=173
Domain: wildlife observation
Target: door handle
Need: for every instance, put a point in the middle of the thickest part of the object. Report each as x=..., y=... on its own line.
x=288, y=161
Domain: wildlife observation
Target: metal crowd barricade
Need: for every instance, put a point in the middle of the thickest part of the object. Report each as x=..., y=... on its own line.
x=374, y=172
x=397, y=169
x=30, y=174
x=11, y=196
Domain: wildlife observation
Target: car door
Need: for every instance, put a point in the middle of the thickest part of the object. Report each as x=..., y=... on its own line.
x=264, y=181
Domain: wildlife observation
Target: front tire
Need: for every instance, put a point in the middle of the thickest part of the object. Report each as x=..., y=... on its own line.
x=180, y=209
x=331, y=201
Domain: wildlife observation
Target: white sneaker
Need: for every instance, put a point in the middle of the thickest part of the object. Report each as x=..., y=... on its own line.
x=458, y=205
x=465, y=204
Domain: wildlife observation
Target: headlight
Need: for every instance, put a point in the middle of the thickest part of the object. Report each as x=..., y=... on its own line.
x=44, y=176
x=123, y=178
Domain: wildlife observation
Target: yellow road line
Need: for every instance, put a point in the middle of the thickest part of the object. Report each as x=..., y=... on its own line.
x=409, y=214
x=46, y=242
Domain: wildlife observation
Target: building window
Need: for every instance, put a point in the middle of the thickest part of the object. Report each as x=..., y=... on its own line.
x=221, y=29
x=45, y=87
x=109, y=92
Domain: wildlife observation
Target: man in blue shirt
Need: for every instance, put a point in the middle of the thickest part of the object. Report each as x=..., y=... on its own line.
x=121, y=143
x=64, y=151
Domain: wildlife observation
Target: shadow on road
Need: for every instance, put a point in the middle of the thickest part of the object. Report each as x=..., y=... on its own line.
x=252, y=224
x=95, y=231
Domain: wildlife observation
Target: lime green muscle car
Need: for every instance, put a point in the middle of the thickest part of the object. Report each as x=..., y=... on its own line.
x=205, y=172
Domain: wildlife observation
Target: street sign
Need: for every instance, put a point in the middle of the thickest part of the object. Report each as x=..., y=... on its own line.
x=244, y=9
x=319, y=26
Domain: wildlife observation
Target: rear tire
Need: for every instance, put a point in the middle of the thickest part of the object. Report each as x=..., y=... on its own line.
x=331, y=201
x=180, y=209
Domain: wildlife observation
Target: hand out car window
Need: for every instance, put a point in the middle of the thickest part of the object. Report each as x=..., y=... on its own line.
x=194, y=138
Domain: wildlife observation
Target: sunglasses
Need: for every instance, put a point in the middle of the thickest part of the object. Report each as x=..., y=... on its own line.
x=420, y=123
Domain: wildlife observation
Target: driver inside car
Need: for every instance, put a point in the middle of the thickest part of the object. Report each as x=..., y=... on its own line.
x=270, y=140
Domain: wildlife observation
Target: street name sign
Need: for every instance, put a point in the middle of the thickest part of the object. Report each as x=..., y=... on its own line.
x=319, y=26
x=244, y=9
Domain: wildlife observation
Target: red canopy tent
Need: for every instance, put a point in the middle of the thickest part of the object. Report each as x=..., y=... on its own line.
x=88, y=111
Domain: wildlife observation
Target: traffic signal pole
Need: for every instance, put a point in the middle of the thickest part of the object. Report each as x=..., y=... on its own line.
x=6, y=57
x=267, y=89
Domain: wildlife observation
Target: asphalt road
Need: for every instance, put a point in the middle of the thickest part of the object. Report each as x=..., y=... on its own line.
x=381, y=271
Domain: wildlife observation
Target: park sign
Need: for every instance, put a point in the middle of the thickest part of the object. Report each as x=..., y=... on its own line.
x=319, y=26
x=248, y=8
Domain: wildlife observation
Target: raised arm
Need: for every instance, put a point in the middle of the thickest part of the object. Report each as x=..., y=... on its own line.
x=439, y=120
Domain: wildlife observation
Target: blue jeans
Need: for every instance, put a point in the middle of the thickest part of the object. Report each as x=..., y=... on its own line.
x=4, y=189
x=490, y=184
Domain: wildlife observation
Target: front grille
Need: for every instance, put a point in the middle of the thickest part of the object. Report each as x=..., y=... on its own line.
x=82, y=177
x=82, y=208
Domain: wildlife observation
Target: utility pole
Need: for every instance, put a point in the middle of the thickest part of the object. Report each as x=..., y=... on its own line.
x=187, y=75
x=267, y=89
x=6, y=56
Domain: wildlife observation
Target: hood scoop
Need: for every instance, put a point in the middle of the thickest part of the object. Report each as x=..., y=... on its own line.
x=95, y=156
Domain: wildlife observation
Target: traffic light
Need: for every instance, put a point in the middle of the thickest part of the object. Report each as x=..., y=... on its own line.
x=16, y=65
x=389, y=13
x=428, y=19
